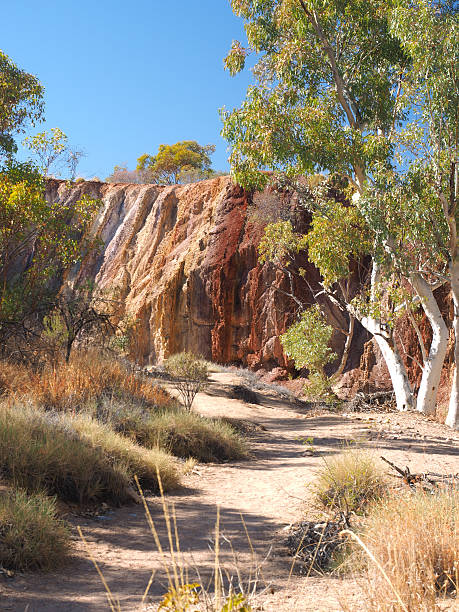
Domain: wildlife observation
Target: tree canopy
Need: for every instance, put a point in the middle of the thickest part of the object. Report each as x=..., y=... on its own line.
x=368, y=91
x=21, y=103
x=173, y=162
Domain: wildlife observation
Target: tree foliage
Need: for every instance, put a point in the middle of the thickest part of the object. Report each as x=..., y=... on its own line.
x=21, y=103
x=324, y=88
x=173, y=161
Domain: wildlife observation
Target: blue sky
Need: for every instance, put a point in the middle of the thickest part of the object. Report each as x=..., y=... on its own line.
x=122, y=78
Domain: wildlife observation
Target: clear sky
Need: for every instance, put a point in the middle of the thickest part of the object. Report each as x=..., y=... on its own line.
x=121, y=78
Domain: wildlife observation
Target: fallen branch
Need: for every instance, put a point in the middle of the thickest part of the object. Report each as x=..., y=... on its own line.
x=431, y=479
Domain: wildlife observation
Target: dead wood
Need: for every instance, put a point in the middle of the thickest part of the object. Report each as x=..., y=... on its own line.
x=427, y=480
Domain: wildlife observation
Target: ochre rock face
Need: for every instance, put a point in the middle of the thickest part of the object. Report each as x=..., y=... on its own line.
x=184, y=261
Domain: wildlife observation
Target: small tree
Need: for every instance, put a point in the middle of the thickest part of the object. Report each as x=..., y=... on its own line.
x=189, y=374
x=171, y=161
x=306, y=342
x=81, y=314
x=53, y=152
x=48, y=147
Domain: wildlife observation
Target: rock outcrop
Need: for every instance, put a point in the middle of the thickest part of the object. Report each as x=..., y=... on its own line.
x=183, y=260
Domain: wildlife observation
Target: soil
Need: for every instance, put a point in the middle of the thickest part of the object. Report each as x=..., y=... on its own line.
x=270, y=490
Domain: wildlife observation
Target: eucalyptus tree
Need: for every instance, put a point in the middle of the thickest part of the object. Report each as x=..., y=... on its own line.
x=421, y=194
x=21, y=103
x=324, y=95
x=334, y=81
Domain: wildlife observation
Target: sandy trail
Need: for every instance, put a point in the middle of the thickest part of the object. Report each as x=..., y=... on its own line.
x=269, y=490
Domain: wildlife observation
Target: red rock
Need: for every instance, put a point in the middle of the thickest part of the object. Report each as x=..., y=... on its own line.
x=184, y=260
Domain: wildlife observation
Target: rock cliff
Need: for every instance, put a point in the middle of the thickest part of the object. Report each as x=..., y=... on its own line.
x=184, y=261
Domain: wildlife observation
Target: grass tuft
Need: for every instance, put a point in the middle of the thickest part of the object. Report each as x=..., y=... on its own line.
x=75, y=458
x=183, y=433
x=349, y=482
x=31, y=536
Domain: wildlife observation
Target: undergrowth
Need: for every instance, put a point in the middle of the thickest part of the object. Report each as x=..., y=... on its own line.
x=74, y=457
x=31, y=536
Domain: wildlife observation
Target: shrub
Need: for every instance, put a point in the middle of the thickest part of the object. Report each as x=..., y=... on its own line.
x=181, y=432
x=350, y=481
x=187, y=434
x=416, y=540
x=190, y=375
x=31, y=537
x=76, y=459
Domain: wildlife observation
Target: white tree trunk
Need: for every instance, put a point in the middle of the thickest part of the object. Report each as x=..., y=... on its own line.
x=402, y=388
x=398, y=375
x=453, y=413
x=433, y=365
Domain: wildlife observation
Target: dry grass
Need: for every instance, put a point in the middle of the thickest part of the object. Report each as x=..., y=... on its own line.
x=75, y=458
x=145, y=463
x=31, y=536
x=415, y=539
x=86, y=379
x=349, y=482
x=181, y=432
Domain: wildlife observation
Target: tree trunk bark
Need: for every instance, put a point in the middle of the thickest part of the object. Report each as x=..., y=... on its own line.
x=402, y=387
x=453, y=413
x=433, y=365
x=347, y=347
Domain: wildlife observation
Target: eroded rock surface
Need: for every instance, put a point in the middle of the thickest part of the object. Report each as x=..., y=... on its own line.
x=184, y=261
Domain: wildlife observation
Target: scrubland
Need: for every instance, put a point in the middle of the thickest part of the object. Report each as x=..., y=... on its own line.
x=79, y=433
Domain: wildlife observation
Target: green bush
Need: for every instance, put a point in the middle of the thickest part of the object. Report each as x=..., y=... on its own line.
x=189, y=376
x=349, y=482
x=75, y=458
x=31, y=537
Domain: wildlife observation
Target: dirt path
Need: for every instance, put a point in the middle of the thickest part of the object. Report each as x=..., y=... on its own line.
x=269, y=490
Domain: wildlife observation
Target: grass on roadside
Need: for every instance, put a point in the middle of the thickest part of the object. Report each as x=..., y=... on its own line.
x=349, y=481
x=85, y=381
x=415, y=539
x=31, y=536
x=75, y=458
x=181, y=432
